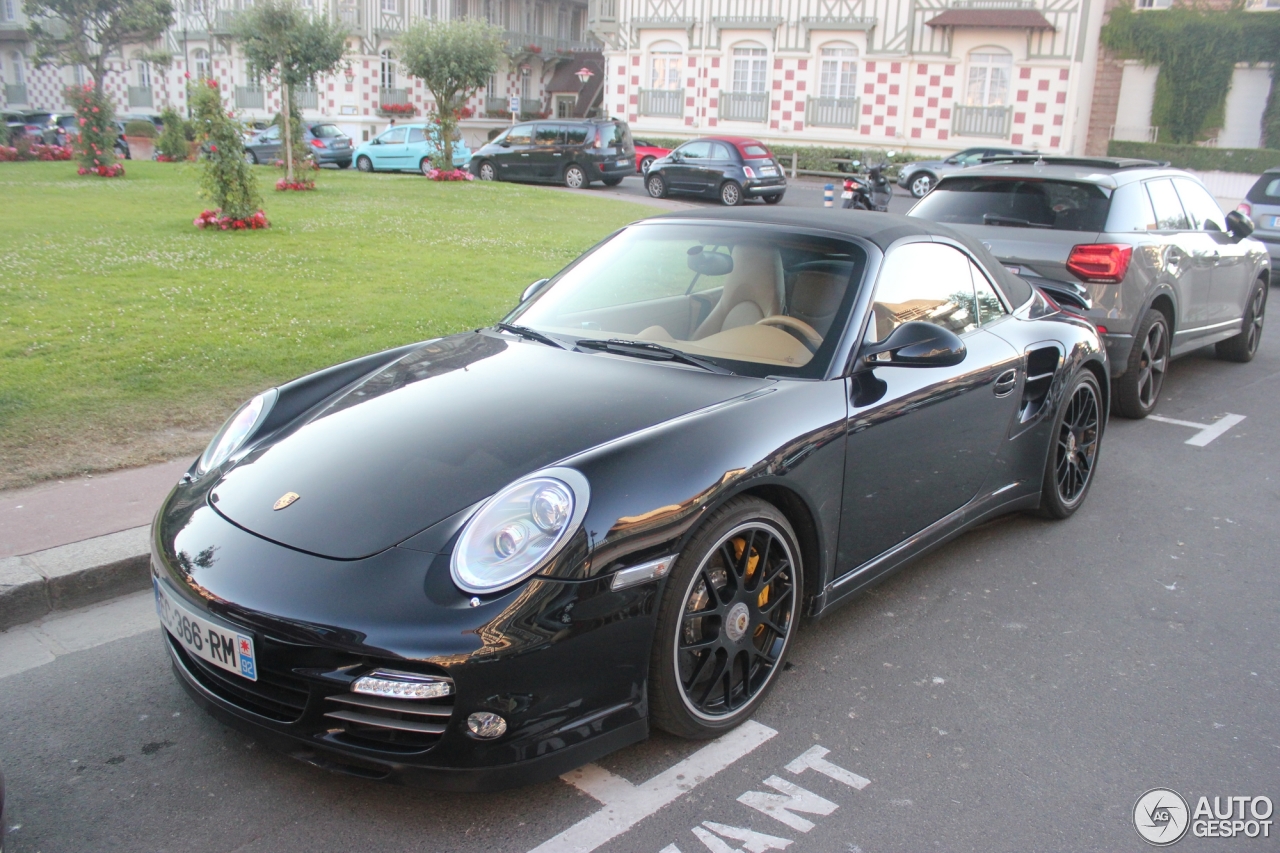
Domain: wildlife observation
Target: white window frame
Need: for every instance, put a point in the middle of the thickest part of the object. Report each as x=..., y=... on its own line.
x=144, y=74
x=750, y=70
x=9, y=10
x=838, y=70
x=666, y=65
x=203, y=67
x=19, y=68
x=386, y=69
x=983, y=88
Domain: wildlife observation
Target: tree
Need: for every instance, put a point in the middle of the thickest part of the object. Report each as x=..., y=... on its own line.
x=453, y=58
x=227, y=177
x=279, y=38
x=87, y=32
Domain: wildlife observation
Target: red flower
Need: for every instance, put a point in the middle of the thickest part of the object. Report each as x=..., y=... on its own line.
x=213, y=149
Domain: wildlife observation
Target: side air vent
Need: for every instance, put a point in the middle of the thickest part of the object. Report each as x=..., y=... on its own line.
x=393, y=725
x=1042, y=366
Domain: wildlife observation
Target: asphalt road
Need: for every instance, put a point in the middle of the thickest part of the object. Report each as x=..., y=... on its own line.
x=1017, y=690
x=804, y=192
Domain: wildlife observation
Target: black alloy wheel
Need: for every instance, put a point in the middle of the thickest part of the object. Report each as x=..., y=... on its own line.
x=487, y=172
x=645, y=164
x=574, y=177
x=424, y=166
x=1244, y=346
x=1138, y=389
x=730, y=194
x=656, y=185
x=364, y=164
x=727, y=616
x=920, y=184
x=1074, y=455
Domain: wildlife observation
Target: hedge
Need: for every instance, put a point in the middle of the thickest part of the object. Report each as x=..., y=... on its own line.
x=1250, y=161
x=815, y=158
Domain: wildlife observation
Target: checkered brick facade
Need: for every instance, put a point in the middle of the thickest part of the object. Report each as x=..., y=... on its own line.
x=1039, y=106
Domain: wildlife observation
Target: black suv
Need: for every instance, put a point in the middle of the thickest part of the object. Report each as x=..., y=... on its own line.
x=573, y=152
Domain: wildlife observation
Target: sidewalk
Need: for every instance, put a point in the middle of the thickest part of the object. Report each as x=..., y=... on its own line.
x=71, y=543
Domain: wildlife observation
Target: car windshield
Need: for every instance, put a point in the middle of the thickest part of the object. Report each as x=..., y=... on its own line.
x=754, y=301
x=325, y=131
x=1017, y=202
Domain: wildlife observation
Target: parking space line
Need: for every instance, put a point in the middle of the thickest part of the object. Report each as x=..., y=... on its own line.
x=626, y=804
x=1207, y=432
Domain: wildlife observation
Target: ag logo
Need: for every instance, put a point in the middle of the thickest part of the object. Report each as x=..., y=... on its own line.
x=285, y=500
x=1161, y=816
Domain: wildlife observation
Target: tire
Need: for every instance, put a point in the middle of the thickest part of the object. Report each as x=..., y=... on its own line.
x=1244, y=346
x=343, y=164
x=424, y=165
x=486, y=171
x=920, y=183
x=1073, y=455
x=741, y=645
x=612, y=182
x=364, y=164
x=575, y=178
x=250, y=158
x=773, y=199
x=656, y=185
x=730, y=194
x=1138, y=388
x=645, y=164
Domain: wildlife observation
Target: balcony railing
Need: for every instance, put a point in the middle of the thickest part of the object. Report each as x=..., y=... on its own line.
x=519, y=41
x=831, y=112
x=991, y=122
x=225, y=21
x=393, y=96
x=667, y=103
x=249, y=98
x=140, y=96
x=1136, y=133
x=744, y=106
x=15, y=93
x=350, y=17
x=307, y=99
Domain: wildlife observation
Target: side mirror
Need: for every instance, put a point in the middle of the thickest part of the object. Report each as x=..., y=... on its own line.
x=504, y=144
x=1239, y=226
x=917, y=344
x=855, y=163
x=533, y=289
x=951, y=161
x=375, y=141
x=675, y=157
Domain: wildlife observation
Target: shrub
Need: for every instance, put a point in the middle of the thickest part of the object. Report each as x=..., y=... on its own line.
x=172, y=144
x=4, y=133
x=1251, y=161
x=142, y=128
x=96, y=145
x=227, y=179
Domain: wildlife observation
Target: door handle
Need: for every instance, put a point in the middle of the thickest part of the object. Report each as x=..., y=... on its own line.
x=557, y=154
x=524, y=155
x=1005, y=383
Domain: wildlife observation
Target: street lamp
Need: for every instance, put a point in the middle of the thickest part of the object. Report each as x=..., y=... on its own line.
x=584, y=74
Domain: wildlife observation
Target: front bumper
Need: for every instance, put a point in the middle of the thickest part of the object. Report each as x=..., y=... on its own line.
x=565, y=663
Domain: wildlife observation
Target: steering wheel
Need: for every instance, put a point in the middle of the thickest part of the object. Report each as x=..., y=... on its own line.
x=807, y=334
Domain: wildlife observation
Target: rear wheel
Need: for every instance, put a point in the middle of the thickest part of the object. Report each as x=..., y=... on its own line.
x=920, y=184
x=424, y=165
x=612, y=182
x=344, y=164
x=1138, y=388
x=364, y=164
x=1244, y=346
x=487, y=172
x=574, y=177
x=725, y=621
x=730, y=194
x=656, y=186
x=645, y=164
x=1077, y=436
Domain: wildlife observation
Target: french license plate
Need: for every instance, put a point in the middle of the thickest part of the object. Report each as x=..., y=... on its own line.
x=341, y=143
x=217, y=644
x=768, y=170
x=847, y=194
x=1275, y=222
x=623, y=163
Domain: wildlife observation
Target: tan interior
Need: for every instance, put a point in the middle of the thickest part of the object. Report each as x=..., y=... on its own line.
x=752, y=291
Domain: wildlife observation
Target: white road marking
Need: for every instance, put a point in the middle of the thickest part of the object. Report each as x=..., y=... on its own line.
x=626, y=804
x=752, y=842
x=792, y=798
x=815, y=758
x=1207, y=432
x=37, y=643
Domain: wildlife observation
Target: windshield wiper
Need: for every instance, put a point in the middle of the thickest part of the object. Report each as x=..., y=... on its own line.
x=994, y=219
x=645, y=349
x=532, y=334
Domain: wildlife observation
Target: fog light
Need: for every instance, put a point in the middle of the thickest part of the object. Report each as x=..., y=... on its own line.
x=402, y=685
x=486, y=725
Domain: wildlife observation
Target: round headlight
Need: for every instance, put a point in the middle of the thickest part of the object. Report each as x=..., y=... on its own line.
x=233, y=433
x=519, y=530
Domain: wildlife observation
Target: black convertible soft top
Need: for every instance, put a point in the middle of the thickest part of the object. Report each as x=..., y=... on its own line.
x=881, y=229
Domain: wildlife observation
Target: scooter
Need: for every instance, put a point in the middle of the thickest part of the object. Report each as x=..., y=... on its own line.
x=870, y=193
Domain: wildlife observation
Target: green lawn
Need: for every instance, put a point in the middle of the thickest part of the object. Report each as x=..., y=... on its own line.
x=127, y=333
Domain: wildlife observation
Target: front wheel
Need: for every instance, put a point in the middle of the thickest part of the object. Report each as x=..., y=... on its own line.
x=1077, y=437
x=364, y=164
x=920, y=184
x=487, y=172
x=250, y=158
x=1244, y=346
x=656, y=186
x=1138, y=388
x=574, y=177
x=725, y=621
x=424, y=166
x=730, y=194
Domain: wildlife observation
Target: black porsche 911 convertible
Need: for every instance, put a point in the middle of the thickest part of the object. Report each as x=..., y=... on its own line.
x=489, y=558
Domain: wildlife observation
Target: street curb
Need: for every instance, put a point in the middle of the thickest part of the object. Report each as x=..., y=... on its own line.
x=74, y=575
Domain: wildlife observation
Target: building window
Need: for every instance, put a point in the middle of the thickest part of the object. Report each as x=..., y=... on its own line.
x=78, y=75
x=562, y=23
x=459, y=8
x=750, y=64
x=839, y=72
x=19, y=73
x=1153, y=4
x=493, y=12
x=201, y=59
x=387, y=71
x=989, y=72
x=665, y=61
x=9, y=10
x=389, y=6
x=144, y=75
x=526, y=84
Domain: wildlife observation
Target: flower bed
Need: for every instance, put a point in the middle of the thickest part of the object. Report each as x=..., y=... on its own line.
x=115, y=170
x=398, y=109
x=284, y=184
x=214, y=219
x=451, y=175
x=44, y=153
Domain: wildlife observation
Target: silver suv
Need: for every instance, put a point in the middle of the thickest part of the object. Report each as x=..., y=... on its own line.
x=1263, y=205
x=1164, y=271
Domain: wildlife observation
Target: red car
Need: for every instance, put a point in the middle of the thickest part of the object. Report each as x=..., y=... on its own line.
x=646, y=153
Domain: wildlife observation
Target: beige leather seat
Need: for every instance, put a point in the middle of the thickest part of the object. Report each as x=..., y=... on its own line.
x=752, y=291
x=815, y=297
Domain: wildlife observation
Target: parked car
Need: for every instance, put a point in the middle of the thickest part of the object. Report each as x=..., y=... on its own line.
x=483, y=601
x=646, y=153
x=22, y=124
x=921, y=176
x=328, y=144
x=574, y=152
x=1166, y=271
x=3, y=823
x=1262, y=205
x=407, y=147
x=729, y=168
x=154, y=119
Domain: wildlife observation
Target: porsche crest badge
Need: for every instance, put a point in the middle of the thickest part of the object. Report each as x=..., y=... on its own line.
x=285, y=500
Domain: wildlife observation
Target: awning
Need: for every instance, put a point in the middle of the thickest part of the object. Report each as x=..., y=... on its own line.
x=1018, y=19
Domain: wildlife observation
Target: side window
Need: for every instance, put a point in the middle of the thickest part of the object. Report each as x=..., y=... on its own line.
x=1130, y=210
x=417, y=134
x=1200, y=206
x=271, y=134
x=575, y=134
x=521, y=134
x=720, y=151
x=696, y=150
x=394, y=136
x=928, y=282
x=990, y=308
x=1169, y=213
x=547, y=135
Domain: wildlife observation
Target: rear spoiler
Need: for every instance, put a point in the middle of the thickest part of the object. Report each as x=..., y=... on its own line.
x=1067, y=294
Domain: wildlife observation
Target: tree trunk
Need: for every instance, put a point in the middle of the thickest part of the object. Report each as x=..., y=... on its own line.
x=99, y=72
x=448, y=121
x=287, y=103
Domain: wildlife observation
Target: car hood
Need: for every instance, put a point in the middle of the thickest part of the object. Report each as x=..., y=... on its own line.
x=443, y=428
